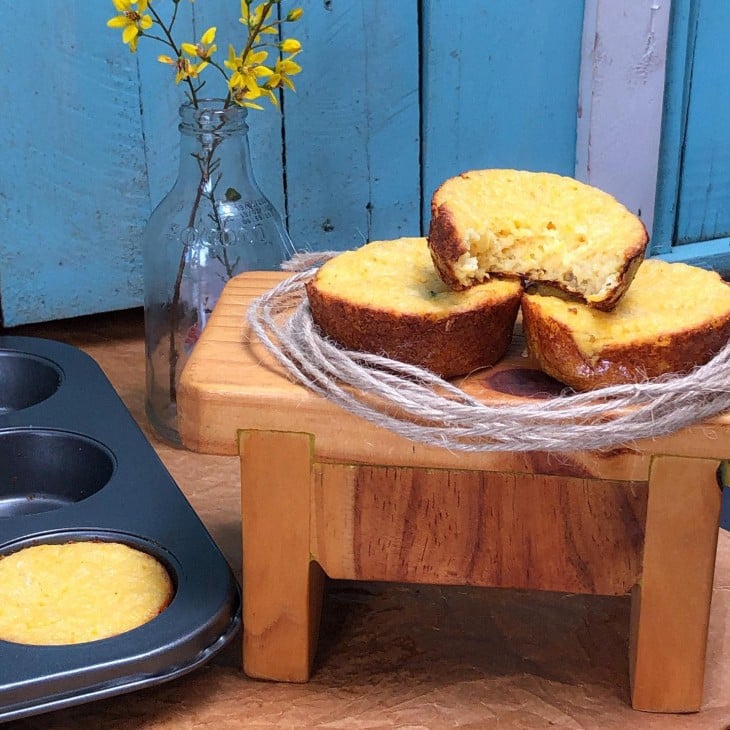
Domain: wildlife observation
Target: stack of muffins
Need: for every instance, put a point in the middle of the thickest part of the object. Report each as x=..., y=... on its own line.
x=570, y=256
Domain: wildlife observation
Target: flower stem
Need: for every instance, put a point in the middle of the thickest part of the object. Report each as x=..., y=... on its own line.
x=257, y=28
x=171, y=42
x=174, y=355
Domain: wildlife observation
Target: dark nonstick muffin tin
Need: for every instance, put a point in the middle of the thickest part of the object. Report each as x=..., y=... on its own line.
x=74, y=465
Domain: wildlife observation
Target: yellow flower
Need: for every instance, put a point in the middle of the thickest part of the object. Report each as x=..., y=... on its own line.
x=257, y=17
x=205, y=48
x=284, y=68
x=250, y=76
x=233, y=61
x=290, y=45
x=131, y=20
x=256, y=57
x=243, y=96
x=184, y=69
x=245, y=72
x=243, y=83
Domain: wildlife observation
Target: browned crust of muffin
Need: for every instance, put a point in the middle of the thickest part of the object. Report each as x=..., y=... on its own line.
x=634, y=257
x=446, y=244
x=448, y=346
x=552, y=345
x=626, y=276
x=164, y=604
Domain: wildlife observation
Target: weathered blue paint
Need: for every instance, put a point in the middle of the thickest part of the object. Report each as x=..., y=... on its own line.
x=73, y=190
x=692, y=220
x=394, y=98
x=500, y=86
x=352, y=129
x=682, y=27
x=704, y=190
x=713, y=254
x=91, y=147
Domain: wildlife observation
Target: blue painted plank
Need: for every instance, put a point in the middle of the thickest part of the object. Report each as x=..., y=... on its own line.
x=704, y=192
x=73, y=193
x=95, y=147
x=705, y=254
x=691, y=217
x=352, y=128
x=682, y=29
x=500, y=86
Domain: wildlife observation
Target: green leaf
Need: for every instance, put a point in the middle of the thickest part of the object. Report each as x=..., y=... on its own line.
x=232, y=195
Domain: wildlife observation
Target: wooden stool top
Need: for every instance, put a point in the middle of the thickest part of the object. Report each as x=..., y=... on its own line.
x=232, y=383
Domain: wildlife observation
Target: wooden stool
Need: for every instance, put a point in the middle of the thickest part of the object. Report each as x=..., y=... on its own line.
x=326, y=492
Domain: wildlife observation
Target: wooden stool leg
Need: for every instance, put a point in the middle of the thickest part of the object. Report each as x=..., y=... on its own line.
x=282, y=587
x=670, y=607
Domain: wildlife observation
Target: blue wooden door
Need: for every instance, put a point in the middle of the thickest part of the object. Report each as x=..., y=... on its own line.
x=499, y=87
x=91, y=148
x=693, y=204
x=394, y=98
x=352, y=128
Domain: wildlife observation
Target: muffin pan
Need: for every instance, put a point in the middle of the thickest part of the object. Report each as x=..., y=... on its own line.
x=74, y=465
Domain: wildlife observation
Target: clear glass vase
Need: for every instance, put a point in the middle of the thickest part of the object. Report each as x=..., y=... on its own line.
x=213, y=224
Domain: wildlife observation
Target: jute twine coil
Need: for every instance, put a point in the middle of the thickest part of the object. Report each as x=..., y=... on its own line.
x=414, y=403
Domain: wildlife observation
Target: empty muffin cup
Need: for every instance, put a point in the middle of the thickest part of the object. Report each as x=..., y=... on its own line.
x=42, y=470
x=26, y=380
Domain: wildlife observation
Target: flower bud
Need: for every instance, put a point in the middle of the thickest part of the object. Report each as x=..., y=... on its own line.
x=290, y=45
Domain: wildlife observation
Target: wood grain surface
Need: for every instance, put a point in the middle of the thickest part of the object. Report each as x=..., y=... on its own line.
x=392, y=654
x=362, y=503
x=671, y=602
x=232, y=381
x=281, y=579
x=475, y=528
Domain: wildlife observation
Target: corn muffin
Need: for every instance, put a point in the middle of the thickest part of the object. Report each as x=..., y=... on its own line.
x=673, y=318
x=79, y=591
x=552, y=231
x=386, y=298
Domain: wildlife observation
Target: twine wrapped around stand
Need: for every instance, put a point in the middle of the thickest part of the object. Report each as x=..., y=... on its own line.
x=423, y=407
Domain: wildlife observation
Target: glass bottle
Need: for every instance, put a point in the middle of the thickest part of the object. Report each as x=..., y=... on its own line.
x=213, y=224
